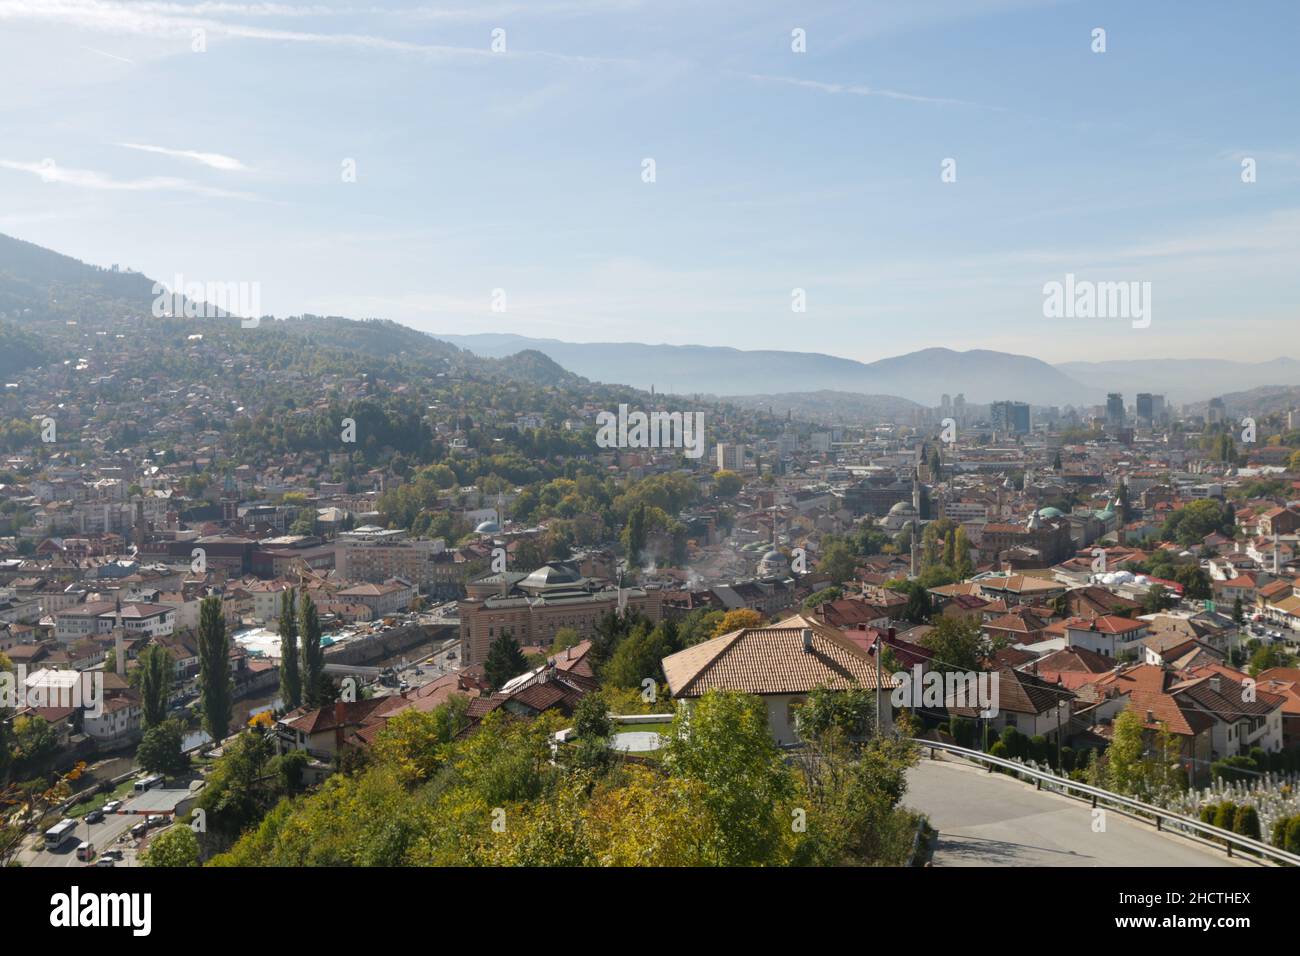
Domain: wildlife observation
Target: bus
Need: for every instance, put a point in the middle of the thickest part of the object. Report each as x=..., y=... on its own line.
x=57, y=834
x=148, y=783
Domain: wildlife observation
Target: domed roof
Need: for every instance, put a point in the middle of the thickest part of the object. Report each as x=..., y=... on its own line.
x=902, y=508
x=1050, y=512
x=487, y=527
x=774, y=562
x=549, y=575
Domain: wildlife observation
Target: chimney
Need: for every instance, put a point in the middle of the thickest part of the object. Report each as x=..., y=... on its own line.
x=807, y=640
x=340, y=716
x=1216, y=683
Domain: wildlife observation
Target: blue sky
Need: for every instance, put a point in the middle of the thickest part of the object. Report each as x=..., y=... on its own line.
x=775, y=170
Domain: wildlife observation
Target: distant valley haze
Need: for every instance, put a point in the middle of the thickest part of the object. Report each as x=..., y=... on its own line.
x=920, y=377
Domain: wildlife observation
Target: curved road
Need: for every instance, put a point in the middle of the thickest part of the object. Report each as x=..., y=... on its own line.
x=989, y=819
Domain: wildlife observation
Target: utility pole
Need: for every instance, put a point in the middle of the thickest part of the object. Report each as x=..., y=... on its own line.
x=1059, y=768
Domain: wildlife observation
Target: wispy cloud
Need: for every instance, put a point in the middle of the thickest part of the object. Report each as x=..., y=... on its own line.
x=212, y=160
x=855, y=89
x=50, y=172
x=111, y=56
x=170, y=20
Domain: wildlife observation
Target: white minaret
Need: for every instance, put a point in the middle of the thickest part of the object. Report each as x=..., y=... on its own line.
x=119, y=641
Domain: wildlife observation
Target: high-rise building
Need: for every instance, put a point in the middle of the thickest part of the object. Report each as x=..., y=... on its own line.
x=731, y=457
x=1115, y=410
x=1150, y=408
x=1011, y=417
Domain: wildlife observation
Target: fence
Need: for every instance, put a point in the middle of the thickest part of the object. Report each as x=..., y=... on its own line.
x=1163, y=819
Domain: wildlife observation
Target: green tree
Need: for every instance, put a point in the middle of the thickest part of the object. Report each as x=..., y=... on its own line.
x=176, y=846
x=1246, y=821
x=918, y=607
x=637, y=657
x=565, y=638
x=504, y=660
x=290, y=669
x=1195, y=582
x=155, y=681
x=413, y=740
x=838, y=563
x=1156, y=599
x=727, y=484
x=822, y=596
x=239, y=790
x=634, y=533
x=725, y=745
x=957, y=644
x=160, y=749
x=215, y=686
x=851, y=713
x=1124, y=764
x=592, y=732
x=963, y=567
x=316, y=691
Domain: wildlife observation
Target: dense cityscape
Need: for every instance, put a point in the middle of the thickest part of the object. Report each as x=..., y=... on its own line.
x=482, y=600
x=679, y=442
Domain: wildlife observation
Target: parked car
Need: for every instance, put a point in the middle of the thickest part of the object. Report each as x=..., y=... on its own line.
x=94, y=816
x=155, y=820
x=113, y=854
x=105, y=861
x=113, y=806
x=139, y=830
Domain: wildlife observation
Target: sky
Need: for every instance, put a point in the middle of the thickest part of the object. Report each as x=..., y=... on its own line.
x=505, y=190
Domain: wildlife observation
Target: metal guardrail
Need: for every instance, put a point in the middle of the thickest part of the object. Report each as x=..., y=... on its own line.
x=1162, y=818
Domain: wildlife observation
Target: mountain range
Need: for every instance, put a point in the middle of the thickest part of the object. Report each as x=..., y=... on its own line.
x=922, y=377
x=33, y=278
x=980, y=375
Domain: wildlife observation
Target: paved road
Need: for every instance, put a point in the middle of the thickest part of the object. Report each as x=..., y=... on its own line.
x=988, y=819
x=104, y=835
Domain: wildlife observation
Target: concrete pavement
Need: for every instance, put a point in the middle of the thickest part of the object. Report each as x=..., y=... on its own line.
x=989, y=819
